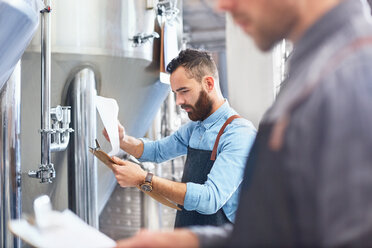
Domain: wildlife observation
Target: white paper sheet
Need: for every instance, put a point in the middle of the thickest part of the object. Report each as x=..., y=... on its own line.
x=170, y=48
x=63, y=230
x=108, y=109
x=170, y=42
x=58, y=230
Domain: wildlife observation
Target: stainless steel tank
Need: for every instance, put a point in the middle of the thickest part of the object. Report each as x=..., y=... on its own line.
x=98, y=35
x=18, y=21
x=10, y=159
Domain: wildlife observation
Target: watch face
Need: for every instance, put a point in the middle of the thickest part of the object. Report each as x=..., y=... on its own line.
x=146, y=187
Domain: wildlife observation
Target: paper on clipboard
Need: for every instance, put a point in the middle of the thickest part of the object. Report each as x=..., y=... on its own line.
x=168, y=49
x=58, y=229
x=107, y=160
x=170, y=42
x=108, y=109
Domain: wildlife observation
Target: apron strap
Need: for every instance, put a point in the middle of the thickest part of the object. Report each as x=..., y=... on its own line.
x=227, y=122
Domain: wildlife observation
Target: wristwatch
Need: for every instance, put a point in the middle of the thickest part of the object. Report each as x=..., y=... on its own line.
x=147, y=184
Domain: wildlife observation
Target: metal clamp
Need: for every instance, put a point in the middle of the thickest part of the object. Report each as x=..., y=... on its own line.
x=51, y=131
x=167, y=9
x=45, y=173
x=141, y=38
x=59, y=139
x=61, y=118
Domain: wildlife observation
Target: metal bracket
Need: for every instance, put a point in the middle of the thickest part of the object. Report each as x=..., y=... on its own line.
x=47, y=131
x=45, y=173
x=167, y=9
x=141, y=38
x=60, y=136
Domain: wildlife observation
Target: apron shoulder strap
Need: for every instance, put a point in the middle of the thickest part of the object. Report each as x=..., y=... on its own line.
x=227, y=122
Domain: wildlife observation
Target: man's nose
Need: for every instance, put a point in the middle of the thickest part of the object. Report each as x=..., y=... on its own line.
x=179, y=100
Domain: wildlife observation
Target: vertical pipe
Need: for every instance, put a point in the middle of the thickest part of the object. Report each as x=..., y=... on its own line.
x=82, y=164
x=45, y=86
x=10, y=160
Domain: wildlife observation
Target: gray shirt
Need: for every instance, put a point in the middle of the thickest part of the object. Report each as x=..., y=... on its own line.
x=326, y=151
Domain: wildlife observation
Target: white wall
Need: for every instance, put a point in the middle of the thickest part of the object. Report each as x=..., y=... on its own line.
x=249, y=73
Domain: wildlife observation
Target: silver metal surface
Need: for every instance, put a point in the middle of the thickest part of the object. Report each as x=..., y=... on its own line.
x=141, y=38
x=60, y=131
x=82, y=164
x=18, y=22
x=10, y=160
x=45, y=85
x=46, y=170
x=97, y=27
x=95, y=33
x=61, y=118
x=167, y=10
x=122, y=215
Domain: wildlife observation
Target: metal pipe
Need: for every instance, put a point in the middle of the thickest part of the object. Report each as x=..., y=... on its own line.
x=45, y=86
x=46, y=170
x=61, y=117
x=10, y=158
x=82, y=165
x=62, y=145
x=60, y=114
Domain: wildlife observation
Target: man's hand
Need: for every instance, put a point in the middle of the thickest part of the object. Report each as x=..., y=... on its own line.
x=128, y=174
x=182, y=238
x=121, y=131
x=131, y=145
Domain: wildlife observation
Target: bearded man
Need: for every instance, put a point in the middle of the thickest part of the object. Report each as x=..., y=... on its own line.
x=217, y=142
x=307, y=181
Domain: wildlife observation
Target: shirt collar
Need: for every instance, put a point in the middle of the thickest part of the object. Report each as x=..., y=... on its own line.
x=217, y=115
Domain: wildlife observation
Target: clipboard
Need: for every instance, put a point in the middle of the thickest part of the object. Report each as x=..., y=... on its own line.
x=107, y=160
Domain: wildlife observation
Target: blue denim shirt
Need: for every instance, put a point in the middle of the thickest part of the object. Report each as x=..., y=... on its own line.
x=221, y=190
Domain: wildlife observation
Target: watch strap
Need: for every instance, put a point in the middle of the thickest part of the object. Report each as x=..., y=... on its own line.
x=148, y=178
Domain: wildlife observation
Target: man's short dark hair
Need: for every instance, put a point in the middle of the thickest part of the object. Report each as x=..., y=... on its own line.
x=196, y=63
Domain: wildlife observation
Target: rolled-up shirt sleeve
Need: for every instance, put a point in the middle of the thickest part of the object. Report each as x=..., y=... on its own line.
x=169, y=147
x=223, y=181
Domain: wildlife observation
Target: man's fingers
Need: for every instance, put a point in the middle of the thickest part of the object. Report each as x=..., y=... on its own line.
x=117, y=160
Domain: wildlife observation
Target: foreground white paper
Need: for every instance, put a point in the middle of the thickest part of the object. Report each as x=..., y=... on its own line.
x=63, y=230
x=108, y=109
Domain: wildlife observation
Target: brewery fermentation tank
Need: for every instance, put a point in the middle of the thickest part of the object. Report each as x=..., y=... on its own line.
x=93, y=51
x=21, y=16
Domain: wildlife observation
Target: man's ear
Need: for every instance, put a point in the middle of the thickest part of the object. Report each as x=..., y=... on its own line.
x=209, y=83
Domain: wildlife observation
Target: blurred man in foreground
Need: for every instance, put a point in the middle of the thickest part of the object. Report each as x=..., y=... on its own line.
x=308, y=177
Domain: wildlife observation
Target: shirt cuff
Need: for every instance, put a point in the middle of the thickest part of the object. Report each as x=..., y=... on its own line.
x=148, y=147
x=192, y=196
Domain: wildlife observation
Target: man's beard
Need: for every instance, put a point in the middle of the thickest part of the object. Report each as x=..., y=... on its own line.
x=202, y=109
